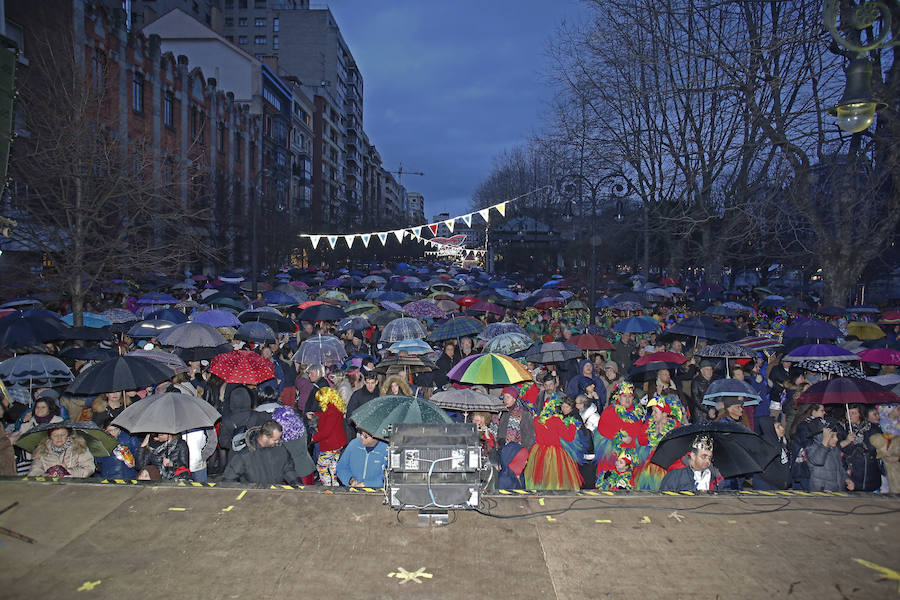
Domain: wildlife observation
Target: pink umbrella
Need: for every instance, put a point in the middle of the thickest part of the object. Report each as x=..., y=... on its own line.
x=881, y=356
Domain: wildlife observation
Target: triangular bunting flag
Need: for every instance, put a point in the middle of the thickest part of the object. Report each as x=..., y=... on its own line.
x=383, y=237
x=450, y=223
x=365, y=238
x=501, y=208
x=485, y=213
x=349, y=239
x=433, y=227
x=315, y=240
x=417, y=231
x=399, y=233
x=467, y=219
x=332, y=239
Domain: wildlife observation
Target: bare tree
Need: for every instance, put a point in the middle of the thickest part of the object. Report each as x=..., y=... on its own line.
x=87, y=195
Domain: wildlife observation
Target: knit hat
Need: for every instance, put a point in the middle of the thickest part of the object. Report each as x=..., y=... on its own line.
x=514, y=392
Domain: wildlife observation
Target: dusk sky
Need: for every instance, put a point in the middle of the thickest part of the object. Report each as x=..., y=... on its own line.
x=450, y=85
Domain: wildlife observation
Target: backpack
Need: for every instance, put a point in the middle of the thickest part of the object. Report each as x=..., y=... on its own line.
x=239, y=439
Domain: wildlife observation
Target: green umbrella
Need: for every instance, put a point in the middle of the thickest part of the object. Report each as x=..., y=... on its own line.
x=98, y=441
x=376, y=416
x=360, y=309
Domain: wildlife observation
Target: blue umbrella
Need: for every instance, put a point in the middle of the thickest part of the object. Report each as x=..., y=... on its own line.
x=167, y=314
x=256, y=332
x=411, y=346
x=157, y=298
x=495, y=329
x=89, y=319
x=217, y=318
x=820, y=352
x=636, y=325
x=455, y=328
x=731, y=388
x=278, y=298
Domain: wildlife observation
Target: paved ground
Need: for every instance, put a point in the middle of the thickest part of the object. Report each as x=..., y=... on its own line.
x=222, y=543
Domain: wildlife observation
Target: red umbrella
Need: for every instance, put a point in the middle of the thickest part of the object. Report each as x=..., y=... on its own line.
x=308, y=303
x=848, y=390
x=891, y=318
x=588, y=341
x=242, y=366
x=467, y=300
x=549, y=302
x=668, y=281
x=882, y=356
x=486, y=307
x=666, y=357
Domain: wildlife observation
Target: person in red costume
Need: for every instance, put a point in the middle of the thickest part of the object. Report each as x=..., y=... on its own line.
x=621, y=429
x=549, y=465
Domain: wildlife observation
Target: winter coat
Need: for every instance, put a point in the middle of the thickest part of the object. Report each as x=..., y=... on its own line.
x=699, y=385
x=7, y=456
x=861, y=461
x=241, y=417
x=76, y=459
x=888, y=451
x=826, y=472
x=385, y=389
x=362, y=464
x=681, y=479
x=112, y=466
x=256, y=464
x=330, y=434
x=777, y=474
x=526, y=428
x=155, y=452
x=580, y=381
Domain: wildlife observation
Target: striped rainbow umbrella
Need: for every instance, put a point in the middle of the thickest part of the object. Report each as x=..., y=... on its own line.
x=489, y=369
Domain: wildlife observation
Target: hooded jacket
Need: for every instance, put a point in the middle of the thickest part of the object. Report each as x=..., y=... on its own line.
x=76, y=459
x=241, y=417
x=826, y=472
x=578, y=383
x=264, y=465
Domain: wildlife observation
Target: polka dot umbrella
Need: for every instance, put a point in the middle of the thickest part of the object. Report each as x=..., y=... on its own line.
x=242, y=366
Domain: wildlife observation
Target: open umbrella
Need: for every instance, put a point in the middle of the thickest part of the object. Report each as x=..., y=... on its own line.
x=700, y=326
x=171, y=412
x=820, y=352
x=758, y=342
x=355, y=323
x=98, y=441
x=456, y=328
x=553, y=352
x=320, y=349
x=865, y=330
x=378, y=415
x=736, y=449
x=403, y=328
x=881, y=356
x=361, y=309
x=508, y=343
x=202, y=352
x=35, y=370
x=167, y=314
x=411, y=346
x=270, y=316
x=726, y=350
x=383, y=317
x=255, y=332
x=410, y=364
x=656, y=361
x=830, y=367
x=88, y=353
x=588, y=341
x=489, y=369
x=192, y=334
x=20, y=331
x=848, y=390
x=467, y=400
x=216, y=317
x=150, y=329
x=118, y=315
x=242, y=366
x=731, y=388
x=495, y=329
x=636, y=325
x=321, y=312
x=168, y=359
x=813, y=329
x=120, y=374
x=422, y=309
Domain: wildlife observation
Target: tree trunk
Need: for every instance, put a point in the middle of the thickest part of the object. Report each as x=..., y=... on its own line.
x=839, y=278
x=77, y=285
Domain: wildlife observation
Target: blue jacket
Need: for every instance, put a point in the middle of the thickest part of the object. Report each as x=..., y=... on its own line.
x=363, y=465
x=111, y=467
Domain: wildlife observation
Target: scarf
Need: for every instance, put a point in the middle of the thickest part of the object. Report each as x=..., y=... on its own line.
x=702, y=479
x=58, y=452
x=43, y=420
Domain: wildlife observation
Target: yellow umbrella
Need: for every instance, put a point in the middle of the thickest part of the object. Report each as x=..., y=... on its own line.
x=865, y=330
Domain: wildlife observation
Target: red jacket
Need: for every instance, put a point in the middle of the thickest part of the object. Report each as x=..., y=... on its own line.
x=330, y=432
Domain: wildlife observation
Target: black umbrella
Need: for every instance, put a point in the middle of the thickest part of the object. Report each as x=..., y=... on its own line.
x=322, y=312
x=278, y=323
x=554, y=352
x=700, y=326
x=736, y=449
x=18, y=331
x=202, y=353
x=88, y=353
x=383, y=317
x=87, y=334
x=255, y=332
x=120, y=374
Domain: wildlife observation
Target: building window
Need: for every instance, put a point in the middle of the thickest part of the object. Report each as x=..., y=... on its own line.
x=229, y=3
x=242, y=3
x=260, y=3
x=169, y=110
x=272, y=99
x=237, y=147
x=137, y=93
x=275, y=42
x=275, y=23
x=198, y=124
x=242, y=40
x=230, y=38
x=259, y=40
x=98, y=66
x=220, y=136
x=242, y=21
x=229, y=21
x=259, y=21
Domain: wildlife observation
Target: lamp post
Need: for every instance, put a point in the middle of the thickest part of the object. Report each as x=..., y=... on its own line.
x=856, y=109
x=573, y=185
x=254, y=217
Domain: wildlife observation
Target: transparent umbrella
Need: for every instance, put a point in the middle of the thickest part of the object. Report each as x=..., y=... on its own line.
x=320, y=349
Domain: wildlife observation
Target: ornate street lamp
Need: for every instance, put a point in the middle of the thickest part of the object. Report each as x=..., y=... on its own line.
x=858, y=105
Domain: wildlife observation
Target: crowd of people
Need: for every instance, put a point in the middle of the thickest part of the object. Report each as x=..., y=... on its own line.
x=593, y=419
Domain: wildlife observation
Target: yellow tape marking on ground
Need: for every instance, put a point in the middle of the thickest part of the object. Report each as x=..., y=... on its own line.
x=228, y=508
x=602, y=521
x=177, y=509
x=88, y=585
x=886, y=573
x=541, y=501
x=551, y=519
x=241, y=495
x=406, y=576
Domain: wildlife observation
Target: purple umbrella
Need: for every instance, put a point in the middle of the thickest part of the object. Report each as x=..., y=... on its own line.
x=217, y=318
x=157, y=298
x=422, y=309
x=820, y=352
x=812, y=328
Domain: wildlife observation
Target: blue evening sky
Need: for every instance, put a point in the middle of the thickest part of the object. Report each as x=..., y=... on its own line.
x=450, y=85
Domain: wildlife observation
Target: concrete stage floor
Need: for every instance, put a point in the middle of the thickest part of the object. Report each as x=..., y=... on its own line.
x=143, y=541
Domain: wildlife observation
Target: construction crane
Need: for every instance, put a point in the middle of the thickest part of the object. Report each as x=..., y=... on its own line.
x=399, y=173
